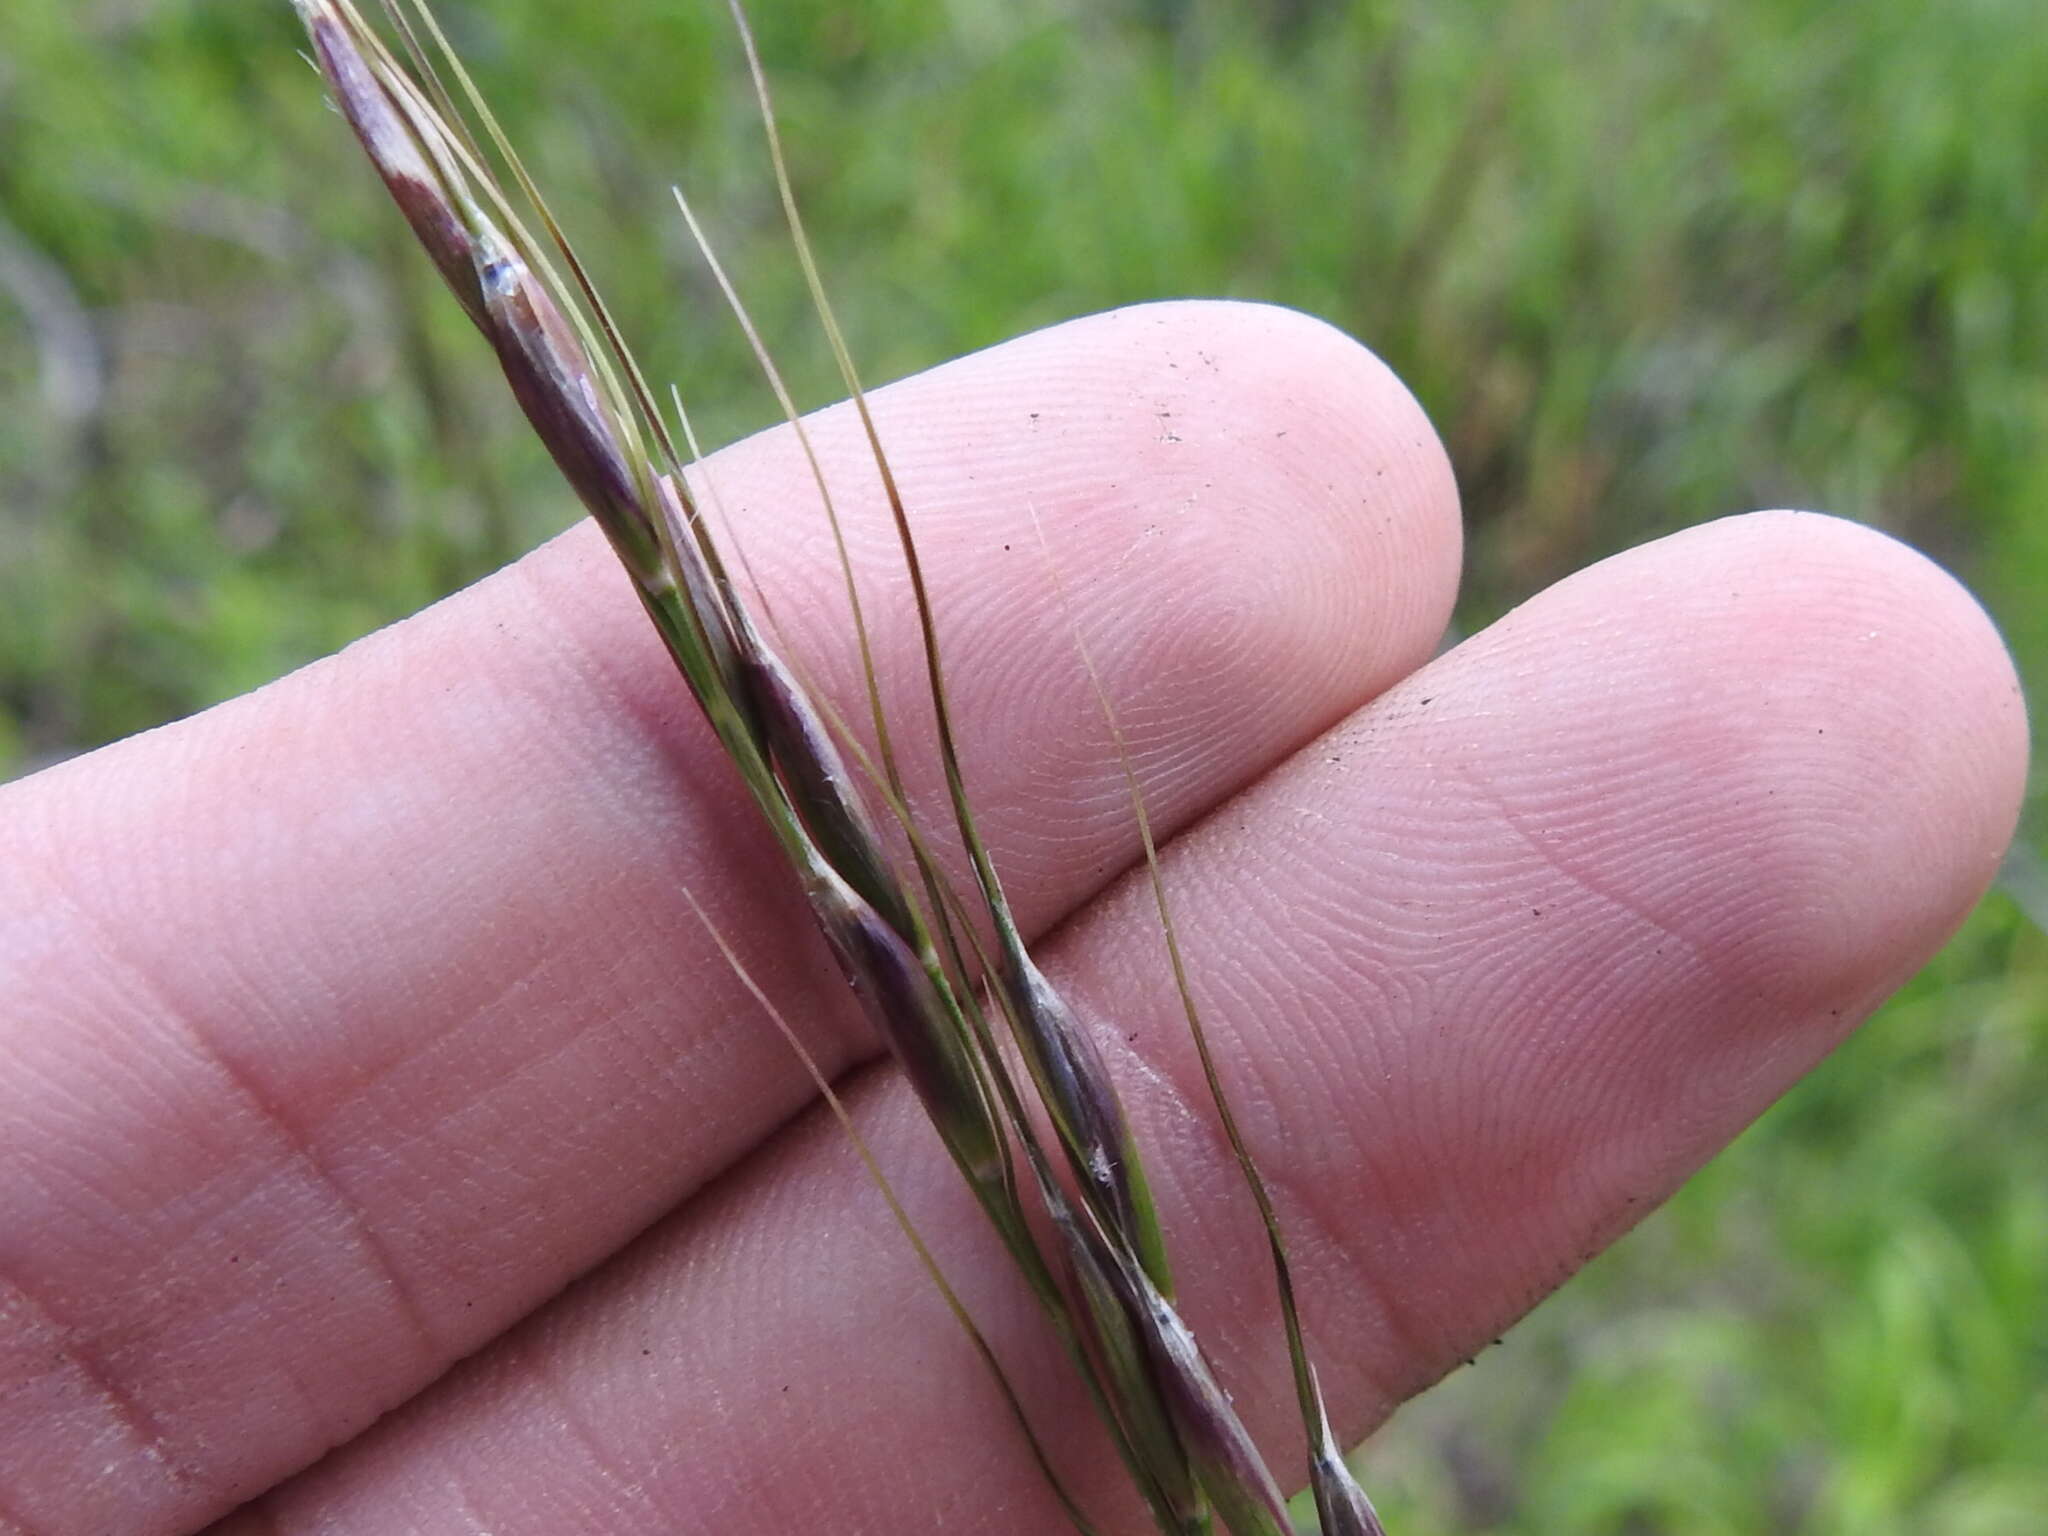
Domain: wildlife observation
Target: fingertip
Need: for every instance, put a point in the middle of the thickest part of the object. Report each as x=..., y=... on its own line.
x=1350, y=471
x=1929, y=762
x=1825, y=719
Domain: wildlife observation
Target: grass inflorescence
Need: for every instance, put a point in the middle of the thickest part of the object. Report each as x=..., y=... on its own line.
x=983, y=1036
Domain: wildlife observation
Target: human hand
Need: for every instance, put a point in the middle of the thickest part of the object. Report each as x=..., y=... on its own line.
x=361, y=1027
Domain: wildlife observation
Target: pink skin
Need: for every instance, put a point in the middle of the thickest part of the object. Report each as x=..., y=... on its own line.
x=350, y=1023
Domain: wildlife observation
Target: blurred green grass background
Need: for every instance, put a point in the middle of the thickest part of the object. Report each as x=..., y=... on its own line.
x=1645, y=265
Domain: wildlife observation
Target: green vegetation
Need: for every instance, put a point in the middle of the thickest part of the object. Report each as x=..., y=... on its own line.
x=1642, y=272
